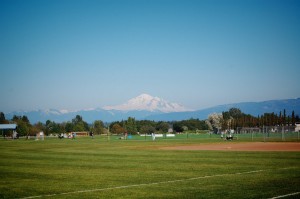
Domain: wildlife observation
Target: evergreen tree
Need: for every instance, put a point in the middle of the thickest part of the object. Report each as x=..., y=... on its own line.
x=2, y=118
x=98, y=127
x=293, y=119
x=79, y=124
x=131, y=125
x=280, y=119
x=284, y=117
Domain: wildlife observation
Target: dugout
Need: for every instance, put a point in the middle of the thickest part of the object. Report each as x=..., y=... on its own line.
x=80, y=133
x=9, y=130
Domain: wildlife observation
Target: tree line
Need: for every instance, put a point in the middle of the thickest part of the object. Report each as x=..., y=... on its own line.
x=130, y=126
x=147, y=126
x=25, y=128
x=231, y=119
x=234, y=118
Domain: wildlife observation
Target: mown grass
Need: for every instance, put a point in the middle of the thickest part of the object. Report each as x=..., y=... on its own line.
x=111, y=169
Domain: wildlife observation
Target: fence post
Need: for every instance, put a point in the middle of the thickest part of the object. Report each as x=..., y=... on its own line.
x=282, y=134
x=108, y=134
x=264, y=133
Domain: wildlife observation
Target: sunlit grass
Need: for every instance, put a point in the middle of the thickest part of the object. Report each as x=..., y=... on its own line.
x=53, y=166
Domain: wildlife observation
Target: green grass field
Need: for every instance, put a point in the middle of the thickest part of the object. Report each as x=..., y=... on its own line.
x=138, y=168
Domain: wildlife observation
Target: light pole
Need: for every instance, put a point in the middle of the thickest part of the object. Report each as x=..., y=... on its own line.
x=108, y=138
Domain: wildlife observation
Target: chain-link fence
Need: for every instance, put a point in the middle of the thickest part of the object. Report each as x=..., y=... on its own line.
x=268, y=133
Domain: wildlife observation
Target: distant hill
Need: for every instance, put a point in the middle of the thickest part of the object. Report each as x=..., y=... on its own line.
x=88, y=115
x=252, y=108
x=106, y=115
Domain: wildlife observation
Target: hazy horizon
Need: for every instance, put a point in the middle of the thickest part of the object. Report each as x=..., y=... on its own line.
x=73, y=55
x=117, y=106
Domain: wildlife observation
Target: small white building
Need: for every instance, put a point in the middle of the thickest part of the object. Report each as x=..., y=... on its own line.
x=297, y=127
x=9, y=127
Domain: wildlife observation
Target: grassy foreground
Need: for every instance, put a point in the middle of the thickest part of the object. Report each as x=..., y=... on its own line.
x=98, y=168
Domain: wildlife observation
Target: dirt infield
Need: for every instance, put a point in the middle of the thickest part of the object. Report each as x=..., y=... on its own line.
x=247, y=146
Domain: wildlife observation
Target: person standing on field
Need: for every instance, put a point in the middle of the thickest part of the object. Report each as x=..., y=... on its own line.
x=153, y=136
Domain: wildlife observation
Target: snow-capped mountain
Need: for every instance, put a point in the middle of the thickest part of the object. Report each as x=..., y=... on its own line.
x=154, y=108
x=139, y=107
x=147, y=102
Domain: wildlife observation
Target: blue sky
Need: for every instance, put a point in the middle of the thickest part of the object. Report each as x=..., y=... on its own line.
x=78, y=54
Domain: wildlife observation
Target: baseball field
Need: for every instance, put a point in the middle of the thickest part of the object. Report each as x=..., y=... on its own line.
x=107, y=167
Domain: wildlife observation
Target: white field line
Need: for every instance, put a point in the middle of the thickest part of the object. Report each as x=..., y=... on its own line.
x=146, y=184
x=287, y=195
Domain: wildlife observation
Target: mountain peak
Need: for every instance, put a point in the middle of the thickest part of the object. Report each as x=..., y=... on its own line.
x=149, y=103
x=144, y=95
